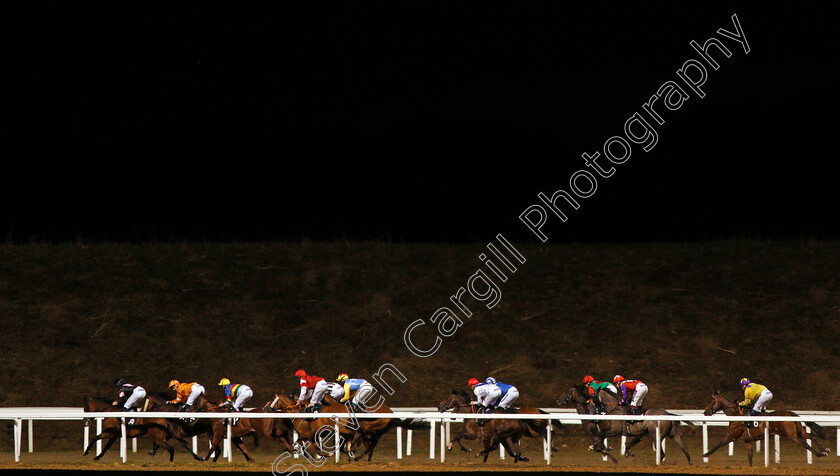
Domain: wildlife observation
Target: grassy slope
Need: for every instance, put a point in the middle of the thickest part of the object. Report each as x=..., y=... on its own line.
x=682, y=317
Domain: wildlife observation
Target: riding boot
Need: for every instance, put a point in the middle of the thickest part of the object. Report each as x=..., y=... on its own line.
x=753, y=424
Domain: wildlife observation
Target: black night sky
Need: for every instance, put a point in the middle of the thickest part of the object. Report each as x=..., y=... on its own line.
x=412, y=121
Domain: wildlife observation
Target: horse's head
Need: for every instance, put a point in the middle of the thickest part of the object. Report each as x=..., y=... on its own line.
x=453, y=400
x=716, y=404
x=575, y=394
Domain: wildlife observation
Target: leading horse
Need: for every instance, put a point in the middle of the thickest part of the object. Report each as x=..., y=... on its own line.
x=738, y=430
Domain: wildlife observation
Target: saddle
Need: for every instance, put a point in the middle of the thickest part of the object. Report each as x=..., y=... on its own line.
x=752, y=424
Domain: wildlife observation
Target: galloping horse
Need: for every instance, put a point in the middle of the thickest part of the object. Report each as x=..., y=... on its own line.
x=275, y=429
x=459, y=402
x=369, y=431
x=606, y=428
x=159, y=429
x=737, y=429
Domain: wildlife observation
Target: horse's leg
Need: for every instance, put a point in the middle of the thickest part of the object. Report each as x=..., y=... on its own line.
x=469, y=432
x=734, y=434
x=794, y=432
x=187, y=447
x=677, y=438
x=240, y=444
x=636, y=439
x=373, y=442
x=215, y=447
x=154, y=449
x=518, y=450
x=105, y=448
x=750, y=448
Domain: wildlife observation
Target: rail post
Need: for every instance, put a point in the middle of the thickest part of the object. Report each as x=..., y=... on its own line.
x=777, y=448
x=432, y=438
x=229, y=441
x=123, y=441
x=548, y=443
x=705, y=441
x=337, y=443
x=767, y=446
x=443, y=441
x=399, y=442
x=658, y=445
x=99, y=432
x=408, y=443
x=18, y=434
x=29, y=435
x=808, y=455
x=87, y=437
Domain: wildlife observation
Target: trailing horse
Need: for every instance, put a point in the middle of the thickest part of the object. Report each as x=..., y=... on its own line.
x=738, y=430
x=159, y=429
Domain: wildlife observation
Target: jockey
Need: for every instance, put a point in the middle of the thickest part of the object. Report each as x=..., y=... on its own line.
x=755, y=395
x=509, y=393
x=485, y=393
x=595, y=387
x=132, y=394
x=192, y=392
x=361, y=386
x=635, y=388
x=312, y=388
x=236, y=394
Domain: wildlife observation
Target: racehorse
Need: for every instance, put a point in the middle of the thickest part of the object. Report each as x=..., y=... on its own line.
x=201, y=426
x=275, y=429
x=579, y=395
x=737, y=429
x=159, y=429
x=459, y=402
x=368, y=431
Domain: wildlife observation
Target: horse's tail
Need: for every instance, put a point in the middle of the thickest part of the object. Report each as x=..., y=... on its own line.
x=816, y=429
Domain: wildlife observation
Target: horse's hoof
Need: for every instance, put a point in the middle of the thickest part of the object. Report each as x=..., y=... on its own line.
x=96, y=458
x=522, y=458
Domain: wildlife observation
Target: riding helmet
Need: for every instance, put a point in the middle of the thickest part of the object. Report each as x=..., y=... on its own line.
x=588, y=379
x=618, y=378
x=745, y=381
x=490, y=380
x=300, y=373
x=224, y=381
x=472, y=381
x=342, y=377
x=173, y=383
x=119, y=382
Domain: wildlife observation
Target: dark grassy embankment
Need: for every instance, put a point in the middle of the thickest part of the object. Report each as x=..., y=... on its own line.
x=683, y=317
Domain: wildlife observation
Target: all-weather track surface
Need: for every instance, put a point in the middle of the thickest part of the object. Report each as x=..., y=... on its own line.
x=572, y=458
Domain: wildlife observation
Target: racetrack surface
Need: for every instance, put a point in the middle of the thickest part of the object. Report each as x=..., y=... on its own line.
x=572, y=457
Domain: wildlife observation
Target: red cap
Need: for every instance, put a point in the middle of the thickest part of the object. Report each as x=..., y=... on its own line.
x=618, y=378
x=588, y=379
x=300, y=373
x=473, y=381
